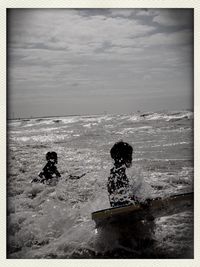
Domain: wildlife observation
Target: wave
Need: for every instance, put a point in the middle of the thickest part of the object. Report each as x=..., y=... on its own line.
x=168, y=116
x=88, y=121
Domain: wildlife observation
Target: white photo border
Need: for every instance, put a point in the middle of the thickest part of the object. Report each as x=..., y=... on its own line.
x=4, y=5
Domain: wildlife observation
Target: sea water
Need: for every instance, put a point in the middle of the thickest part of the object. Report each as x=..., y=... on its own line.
x=54, y=221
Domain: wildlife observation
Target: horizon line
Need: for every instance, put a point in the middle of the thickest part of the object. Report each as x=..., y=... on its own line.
x=105, y=113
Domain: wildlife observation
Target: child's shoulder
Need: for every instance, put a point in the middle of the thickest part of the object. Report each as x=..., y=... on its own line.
x=48, y=165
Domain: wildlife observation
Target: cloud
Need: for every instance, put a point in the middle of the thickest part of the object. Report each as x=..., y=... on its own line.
x=127, y=12
x=78, y=53
x=72, y=32
x=176, y=17
x=145, y=12
x=183, y=37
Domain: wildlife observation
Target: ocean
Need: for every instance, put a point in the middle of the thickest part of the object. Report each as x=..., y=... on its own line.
x=54, y=221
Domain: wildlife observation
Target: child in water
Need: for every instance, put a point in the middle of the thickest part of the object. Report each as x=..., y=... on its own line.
x=120, y=195
x=50, y=170
x=118, y=183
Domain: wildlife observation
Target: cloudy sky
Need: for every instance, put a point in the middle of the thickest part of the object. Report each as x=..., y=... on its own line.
x=91, y=61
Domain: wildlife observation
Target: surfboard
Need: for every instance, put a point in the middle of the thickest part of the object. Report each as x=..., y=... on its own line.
x=157, y=207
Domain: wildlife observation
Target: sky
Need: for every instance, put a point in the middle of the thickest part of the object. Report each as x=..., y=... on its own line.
x=95, y=61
